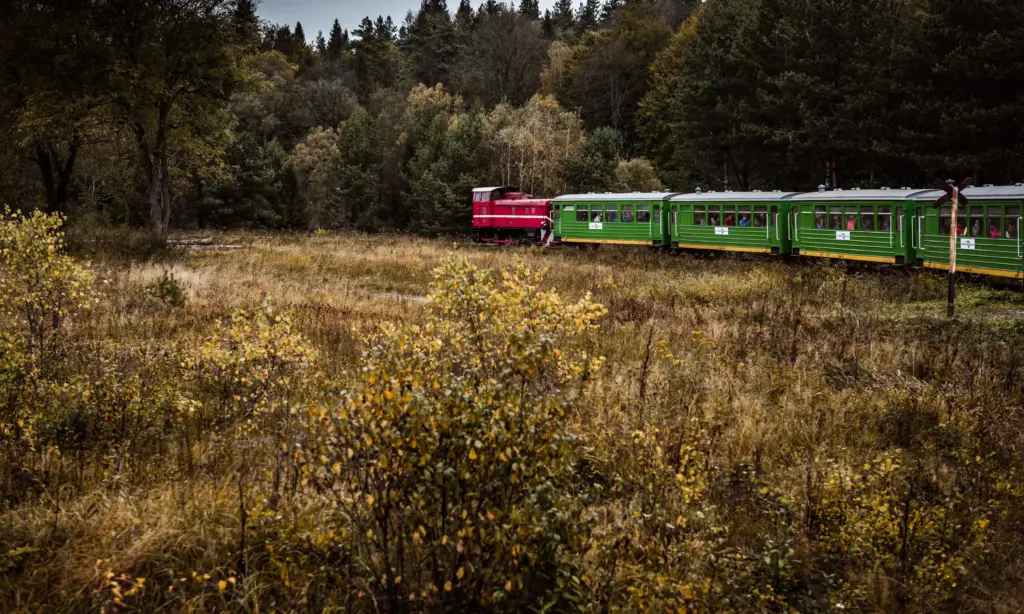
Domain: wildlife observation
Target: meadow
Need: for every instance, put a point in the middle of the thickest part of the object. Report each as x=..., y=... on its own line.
x=347, y=422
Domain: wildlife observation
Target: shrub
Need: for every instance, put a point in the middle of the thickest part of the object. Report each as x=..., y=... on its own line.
x=40, y=285
x=451, y=465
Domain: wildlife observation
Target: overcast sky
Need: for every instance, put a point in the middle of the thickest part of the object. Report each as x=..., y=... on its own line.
x=320, y=14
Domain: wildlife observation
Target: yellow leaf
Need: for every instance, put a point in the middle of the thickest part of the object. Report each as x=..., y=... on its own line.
x=472, y=455
x=508, y=586
x=448, y=586
x=461, y=572
x=222, y=585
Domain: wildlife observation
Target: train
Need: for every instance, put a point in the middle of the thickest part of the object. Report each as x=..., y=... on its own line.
x=893, y=226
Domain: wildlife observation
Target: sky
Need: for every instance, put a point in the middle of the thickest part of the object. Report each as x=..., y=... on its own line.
x=320, y=14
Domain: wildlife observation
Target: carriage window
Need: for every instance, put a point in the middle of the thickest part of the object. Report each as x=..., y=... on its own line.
x=556, y=214
x=867, y=218
x=775, y=216
x=581, y=214
x=744, y=217
x=850, y=218
x=1012, y=217
x=977, y=222
x=820, y=217
x=961, y=222
x=835, y=218
x=643, y=214
x=714, y=215
x=596, y=213
x=728, y=215
x=698, y=215
x=627, y=213
x=675, y=216
x=994, y=230
x=884, y=219
x=611, y=213
x=945, y=215
x=657, y=214
x=760, y=217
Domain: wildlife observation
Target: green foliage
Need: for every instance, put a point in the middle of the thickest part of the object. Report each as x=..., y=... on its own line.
x=450, y=467
x=40, y=286
x=168, y=291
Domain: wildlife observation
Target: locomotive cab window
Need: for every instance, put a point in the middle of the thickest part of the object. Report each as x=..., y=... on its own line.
x=884, y=219
x=643, y=214
x=698, y=215
x=582, y=215
x=820, y=218
x=611, y=213
x=760, y=216
x=867, y=218
x=627, y=213
x=1012, y=218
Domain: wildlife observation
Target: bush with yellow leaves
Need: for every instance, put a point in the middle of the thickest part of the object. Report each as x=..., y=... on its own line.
x=451, y=467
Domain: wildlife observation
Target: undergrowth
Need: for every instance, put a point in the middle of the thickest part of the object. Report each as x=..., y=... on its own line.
x=382, y=424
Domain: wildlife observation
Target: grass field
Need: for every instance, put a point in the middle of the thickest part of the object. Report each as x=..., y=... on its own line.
x=761, y=435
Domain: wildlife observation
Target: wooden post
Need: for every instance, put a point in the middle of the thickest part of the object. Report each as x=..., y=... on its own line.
x=951, y=294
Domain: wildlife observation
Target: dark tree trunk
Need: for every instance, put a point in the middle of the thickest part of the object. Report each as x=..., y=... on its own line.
x=56, y=174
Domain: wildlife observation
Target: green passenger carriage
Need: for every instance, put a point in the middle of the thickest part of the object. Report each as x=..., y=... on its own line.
x=731, y=221
x=988, y=238
x=628, y=219
x=870, y=225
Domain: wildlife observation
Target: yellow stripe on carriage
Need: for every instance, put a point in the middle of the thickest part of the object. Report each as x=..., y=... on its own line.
x=882, y=259
x=975, y=270
x=606, y=241
x=724, y=248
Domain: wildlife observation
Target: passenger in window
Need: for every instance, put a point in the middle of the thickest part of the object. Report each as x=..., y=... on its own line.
x=744, y=221
x=976, y=228
x=851, y=223
x=1011, y=230
x=944, y=225
x=728, y=220
x=883, y=223
x=714, y=217
x=993, y=229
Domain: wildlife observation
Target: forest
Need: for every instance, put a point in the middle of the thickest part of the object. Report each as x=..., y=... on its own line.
x=197, y=113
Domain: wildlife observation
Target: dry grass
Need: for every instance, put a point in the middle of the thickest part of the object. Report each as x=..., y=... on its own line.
x=788, y=368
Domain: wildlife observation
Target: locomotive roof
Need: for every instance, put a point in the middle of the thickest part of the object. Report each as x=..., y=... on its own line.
x=988, y=192
x=574, y=198
x=847, y=195
x=732, y=196
x=497, y=187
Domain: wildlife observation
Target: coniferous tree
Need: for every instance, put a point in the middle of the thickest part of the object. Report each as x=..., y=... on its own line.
x=530, y=8
x=430, y=41
x=247, y=24
x=320, y=44
x=464, y=17
x=563, y=16
x=337, y=41
x=588, y=15
x=610, y=11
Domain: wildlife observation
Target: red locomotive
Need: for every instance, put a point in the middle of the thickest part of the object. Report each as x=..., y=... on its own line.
x=504, y=215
